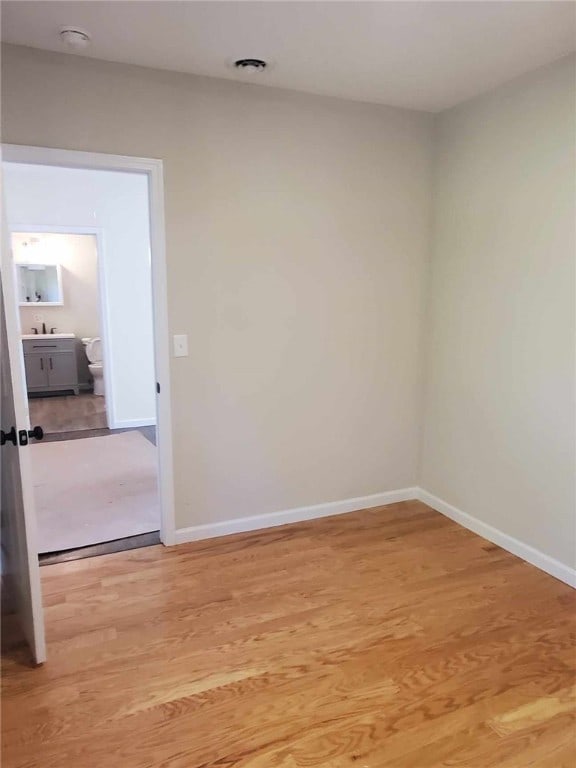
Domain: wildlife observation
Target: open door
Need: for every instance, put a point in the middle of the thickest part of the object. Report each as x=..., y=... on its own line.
x=20, y=568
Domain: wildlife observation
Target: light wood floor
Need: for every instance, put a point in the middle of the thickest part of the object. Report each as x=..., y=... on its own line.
x=384, y=638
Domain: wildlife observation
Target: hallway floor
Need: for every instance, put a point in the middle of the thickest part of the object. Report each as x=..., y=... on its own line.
x=94, y=490
x=90, y=492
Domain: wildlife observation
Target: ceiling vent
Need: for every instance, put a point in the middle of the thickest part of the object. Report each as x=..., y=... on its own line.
x=74, y=38
x=250, y=66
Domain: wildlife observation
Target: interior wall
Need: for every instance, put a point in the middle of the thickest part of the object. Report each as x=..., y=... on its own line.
x=297, y=239
x=79, y=314
x=499, y=430
x=116, y=205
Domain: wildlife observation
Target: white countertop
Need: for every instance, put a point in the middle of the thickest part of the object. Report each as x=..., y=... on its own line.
x=44, y=336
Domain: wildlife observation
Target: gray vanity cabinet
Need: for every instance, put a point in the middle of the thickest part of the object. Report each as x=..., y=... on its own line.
x=50, y=365
x=36, y=372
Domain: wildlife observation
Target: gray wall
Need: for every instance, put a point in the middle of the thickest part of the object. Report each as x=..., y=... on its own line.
x=297, y=238
x=500, y=383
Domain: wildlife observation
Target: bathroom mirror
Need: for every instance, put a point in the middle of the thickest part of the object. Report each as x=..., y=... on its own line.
x=39, y=284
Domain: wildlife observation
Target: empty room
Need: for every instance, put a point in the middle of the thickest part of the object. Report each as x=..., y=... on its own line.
x=341, y=530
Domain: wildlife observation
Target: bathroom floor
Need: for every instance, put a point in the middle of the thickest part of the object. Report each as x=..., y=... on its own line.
x=68, y=413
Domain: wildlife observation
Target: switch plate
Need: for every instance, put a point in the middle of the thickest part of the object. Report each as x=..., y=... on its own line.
x=181, y=345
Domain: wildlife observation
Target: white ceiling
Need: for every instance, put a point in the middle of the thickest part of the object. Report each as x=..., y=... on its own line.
x=422, y=55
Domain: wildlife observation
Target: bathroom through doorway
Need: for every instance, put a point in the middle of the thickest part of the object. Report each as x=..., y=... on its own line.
x=59, y=297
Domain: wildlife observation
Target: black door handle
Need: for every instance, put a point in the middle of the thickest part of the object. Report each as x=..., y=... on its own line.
x=23, y=435
x=8, y=437
x=36, y=432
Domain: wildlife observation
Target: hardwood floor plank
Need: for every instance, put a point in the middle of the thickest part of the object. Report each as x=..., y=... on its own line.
x=540, y=710
x=386, y=637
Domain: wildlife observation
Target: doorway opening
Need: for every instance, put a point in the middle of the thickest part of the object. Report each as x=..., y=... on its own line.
x=89, y=278
x=60, y=319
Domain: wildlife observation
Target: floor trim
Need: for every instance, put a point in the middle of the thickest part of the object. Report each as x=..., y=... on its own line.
x=299, y=514
x=104, y=548
x=526, y=552
x=132, y=423
x=295, y=515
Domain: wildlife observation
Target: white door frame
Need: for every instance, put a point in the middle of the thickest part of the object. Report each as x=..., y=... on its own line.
x=153, y=169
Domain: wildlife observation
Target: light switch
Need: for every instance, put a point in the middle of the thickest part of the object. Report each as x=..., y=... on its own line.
x=181, y=345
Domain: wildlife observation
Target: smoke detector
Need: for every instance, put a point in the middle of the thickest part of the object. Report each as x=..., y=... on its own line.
x=75, y=38
x=250, y=66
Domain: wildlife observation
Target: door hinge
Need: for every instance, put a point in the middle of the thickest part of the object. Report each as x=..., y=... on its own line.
x=158, y=387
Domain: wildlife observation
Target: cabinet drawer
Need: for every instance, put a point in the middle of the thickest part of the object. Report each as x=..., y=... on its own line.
x=47, y=345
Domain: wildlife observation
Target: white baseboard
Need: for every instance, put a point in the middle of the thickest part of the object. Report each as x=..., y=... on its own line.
x=300, y=514
x=133, y=423
x=295, y=515
x=496, y=536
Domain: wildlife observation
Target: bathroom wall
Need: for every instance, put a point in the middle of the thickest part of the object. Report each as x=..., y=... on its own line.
x=78, y=258
x=116, y=205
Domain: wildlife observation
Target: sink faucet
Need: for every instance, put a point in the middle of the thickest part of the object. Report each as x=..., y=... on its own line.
x=53, y=329
x=35, y=330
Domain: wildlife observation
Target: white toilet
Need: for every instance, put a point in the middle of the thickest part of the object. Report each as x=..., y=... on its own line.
x=94, y=354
